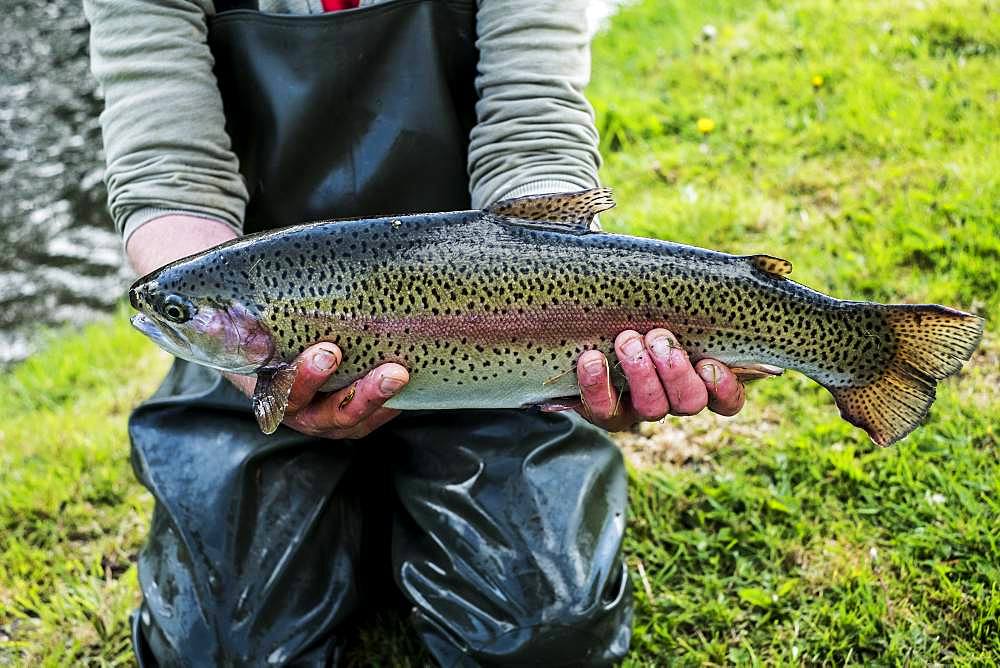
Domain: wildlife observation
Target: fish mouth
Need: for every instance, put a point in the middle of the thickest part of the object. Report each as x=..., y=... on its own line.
x=142, y=323
x=162, y=336
x=151, y=329
x=165, y=338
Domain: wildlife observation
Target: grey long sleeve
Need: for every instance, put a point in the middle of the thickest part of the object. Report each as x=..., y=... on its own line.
x=164, y=130
x=535, y=129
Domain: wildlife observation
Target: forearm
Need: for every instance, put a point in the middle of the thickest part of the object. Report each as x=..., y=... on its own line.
x=168, y=238
x=535, y=129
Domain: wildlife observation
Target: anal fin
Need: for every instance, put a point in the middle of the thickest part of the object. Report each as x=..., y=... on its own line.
x=270, y=396
x=748, y=372
x=568, y=212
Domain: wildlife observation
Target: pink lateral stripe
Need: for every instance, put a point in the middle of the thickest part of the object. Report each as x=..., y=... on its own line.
x=549, y=326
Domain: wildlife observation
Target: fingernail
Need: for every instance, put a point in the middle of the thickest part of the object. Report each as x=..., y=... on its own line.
x=324, y=360
x=661, y=346
x=594, y=369
x=633, y=347
x=709, y=373
x=389, y=385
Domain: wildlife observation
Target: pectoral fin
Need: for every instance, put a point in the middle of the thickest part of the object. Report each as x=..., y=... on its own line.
x=565, y=212
x=270, y=397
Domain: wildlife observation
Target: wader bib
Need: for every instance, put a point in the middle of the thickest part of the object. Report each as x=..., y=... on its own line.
x=501, y=528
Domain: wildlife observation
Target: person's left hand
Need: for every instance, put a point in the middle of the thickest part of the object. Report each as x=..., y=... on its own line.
x=661, y=381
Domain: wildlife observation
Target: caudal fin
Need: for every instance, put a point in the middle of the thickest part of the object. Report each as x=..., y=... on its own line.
x=932, y=343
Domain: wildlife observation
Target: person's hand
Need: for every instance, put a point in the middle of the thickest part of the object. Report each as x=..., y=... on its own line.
x=661, y=381
x=352, y=412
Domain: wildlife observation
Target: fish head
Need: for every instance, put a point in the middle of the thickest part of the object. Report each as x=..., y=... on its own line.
x=201, y=323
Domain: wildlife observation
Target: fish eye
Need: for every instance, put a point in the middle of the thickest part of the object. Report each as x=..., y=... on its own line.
x=176, y=309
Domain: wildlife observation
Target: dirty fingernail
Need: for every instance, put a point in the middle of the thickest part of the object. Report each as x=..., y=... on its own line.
x=661, y=346
x=389, y=385
x=593, y=370
x=633, y=347
x=324, y=360
x=709, y=373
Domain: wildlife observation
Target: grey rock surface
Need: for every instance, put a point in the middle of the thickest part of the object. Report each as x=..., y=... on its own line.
x=60, y=260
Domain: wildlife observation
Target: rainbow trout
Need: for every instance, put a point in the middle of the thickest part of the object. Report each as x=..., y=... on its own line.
x=492, y=308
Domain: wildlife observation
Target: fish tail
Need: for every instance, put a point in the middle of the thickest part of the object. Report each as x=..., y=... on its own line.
x=932, y=343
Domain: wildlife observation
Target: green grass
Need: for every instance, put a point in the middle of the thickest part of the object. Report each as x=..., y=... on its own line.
x=785, y=536
x=72, y=515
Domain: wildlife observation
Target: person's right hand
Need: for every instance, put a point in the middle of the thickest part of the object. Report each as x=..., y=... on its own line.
x=351, y=412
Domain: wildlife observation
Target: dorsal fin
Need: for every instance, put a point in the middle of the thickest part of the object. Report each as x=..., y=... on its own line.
x=574, y=210
x=775, y=266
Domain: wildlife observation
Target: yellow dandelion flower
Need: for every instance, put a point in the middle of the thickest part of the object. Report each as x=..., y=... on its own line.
x=817, y=81
x=705, y=125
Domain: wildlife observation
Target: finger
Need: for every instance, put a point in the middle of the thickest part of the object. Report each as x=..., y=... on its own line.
x=685, y=390
x=648, y=398
x=346, y=408
x=599, y=402
x=594, y=377
x=561, y=405
x=725, y=392
x=312, y=368
x=369, y=424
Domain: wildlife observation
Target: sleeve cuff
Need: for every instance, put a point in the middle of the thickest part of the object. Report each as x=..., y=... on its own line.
x=141, y=216
x=543, y=187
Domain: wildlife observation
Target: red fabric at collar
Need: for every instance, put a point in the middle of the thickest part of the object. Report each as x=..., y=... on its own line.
x=337, y=5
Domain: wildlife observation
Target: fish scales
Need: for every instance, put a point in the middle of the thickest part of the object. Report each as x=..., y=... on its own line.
x=458, y=298
x=493, y=308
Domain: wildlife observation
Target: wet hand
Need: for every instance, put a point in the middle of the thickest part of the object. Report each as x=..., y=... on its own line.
x=351, y=412
x=661, y=381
